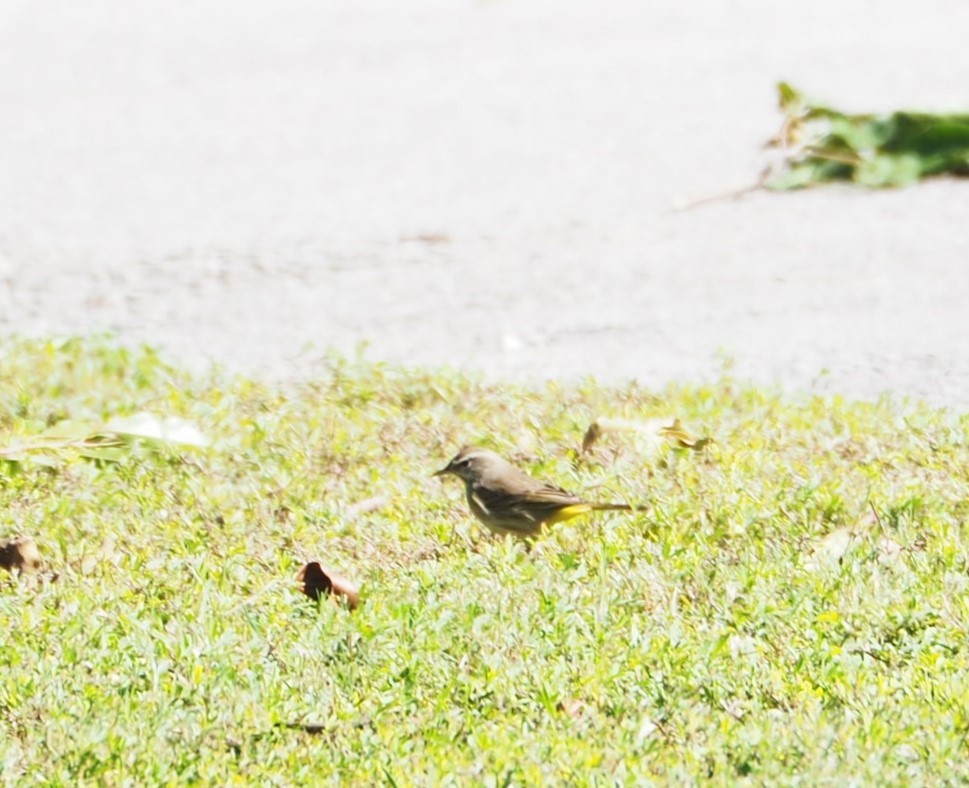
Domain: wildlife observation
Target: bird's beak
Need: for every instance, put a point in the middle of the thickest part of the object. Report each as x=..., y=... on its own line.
x=442, y=472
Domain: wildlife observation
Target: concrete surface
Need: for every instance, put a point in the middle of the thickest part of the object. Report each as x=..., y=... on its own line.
x=479, y=184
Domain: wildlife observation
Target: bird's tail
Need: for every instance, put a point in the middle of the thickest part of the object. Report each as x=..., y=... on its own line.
x=575, y=509
x=618, y=507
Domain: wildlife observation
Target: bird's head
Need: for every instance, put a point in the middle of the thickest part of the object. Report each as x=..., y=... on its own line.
x=470, y=463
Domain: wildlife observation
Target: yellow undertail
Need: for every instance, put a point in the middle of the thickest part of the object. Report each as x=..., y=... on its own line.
x=568, y=512
x=575, y=509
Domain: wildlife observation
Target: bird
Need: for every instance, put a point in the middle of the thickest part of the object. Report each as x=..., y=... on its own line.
x=508, y=501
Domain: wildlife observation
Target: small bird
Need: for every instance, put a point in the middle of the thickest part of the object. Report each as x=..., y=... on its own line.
x=510, y=502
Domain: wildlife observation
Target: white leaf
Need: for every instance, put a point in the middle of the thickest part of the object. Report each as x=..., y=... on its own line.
x=152, y=427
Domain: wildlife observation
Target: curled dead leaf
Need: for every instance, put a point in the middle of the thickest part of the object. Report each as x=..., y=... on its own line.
x=158, y=429
x=591, y=436
x=19, y=554
x=573, y=707
x=654, y=430
x=282, y=514
x=679, y=435
x=831, y=548
x=313, y=728
x=318, y=582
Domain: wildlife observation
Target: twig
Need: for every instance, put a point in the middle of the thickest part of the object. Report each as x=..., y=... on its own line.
x=878, y=519
x=732, y=194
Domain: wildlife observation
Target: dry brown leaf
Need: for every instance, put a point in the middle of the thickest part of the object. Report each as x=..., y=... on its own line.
x=831, y=548
x=282, y=514
x=318, y=582
x=604, y=426
x=312, y=728
x=655, y=431
x=591, y=436
x=679, y=435
x=19, y=554
x=573, y=707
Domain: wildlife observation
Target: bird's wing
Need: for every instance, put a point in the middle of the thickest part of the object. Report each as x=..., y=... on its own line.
x=549, y=493
x=537, y=502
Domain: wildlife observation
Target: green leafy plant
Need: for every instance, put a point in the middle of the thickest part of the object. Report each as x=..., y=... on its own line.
x=822, y=145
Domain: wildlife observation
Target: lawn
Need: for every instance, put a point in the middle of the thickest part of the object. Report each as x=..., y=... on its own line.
x=789, y=607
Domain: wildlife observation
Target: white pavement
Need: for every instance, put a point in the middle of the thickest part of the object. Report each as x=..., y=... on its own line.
x=479, y=184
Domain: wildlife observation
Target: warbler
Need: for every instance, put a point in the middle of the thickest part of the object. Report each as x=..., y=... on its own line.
x=510, y=502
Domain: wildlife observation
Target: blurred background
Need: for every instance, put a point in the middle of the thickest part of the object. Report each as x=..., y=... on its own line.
x=487, y=185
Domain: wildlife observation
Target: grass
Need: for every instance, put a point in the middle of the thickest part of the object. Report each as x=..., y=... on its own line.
x=791, y=608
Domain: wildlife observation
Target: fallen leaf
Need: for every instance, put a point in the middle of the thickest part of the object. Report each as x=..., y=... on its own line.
x=678, y=434
x=656, y=431
x=155, y=428
x=831, y=548
x=282, y=514
x=19, y=554
x=573, y=707
x=312, y=728
x=318, y=581
x=591, y=436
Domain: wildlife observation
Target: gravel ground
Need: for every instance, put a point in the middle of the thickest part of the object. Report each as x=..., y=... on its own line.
x=485, y=185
